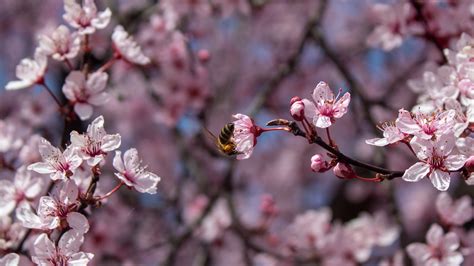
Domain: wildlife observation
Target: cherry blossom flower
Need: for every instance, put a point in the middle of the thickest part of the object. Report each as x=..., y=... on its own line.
x=9, y=138
x=425, y=126
x=85, y=19
x=127, y=48
x=10, y=233
x=436, y=161
x=11, y=259
x=61, y=45
x=327, y=108
x=86, y=93
x=66, y=253
x=439, y=250
x=56, y=210
x=308, y=231
x=245, y=135
x=391, y=134
x=60, y=165
x=24, y=187
x=133, y=174
x=454, y=213
x=95, y=143
x=30, y=72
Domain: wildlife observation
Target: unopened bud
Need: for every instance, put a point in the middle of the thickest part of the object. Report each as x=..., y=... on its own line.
x=297, y=108
x=470, y=164
x=344, y=171
x=318, y=164
x=267, y=205
x=204, y=55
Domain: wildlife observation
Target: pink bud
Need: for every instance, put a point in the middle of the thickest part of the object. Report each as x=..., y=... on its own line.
x=318, y=164
x=204, y=55
x=470, y=164
x=267, y=205
x=297, y=108
x=344, y=171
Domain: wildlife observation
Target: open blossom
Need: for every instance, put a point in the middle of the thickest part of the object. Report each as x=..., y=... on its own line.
x=60, y=165
x=23, y=187
x=11, y=259
x=61, y=44
x=127, y=47
x=86, y=93
x=439, y=250
x=310, y=229
x=245, y=135
x=95, y=143
x=391, y=134
x=11, y=233
x=436, y=161
x=56, y=210
x=454, y=213
x=45, y=252
x=85, y=19
x=425, y=126
x=9, y=138
x=326, y=107
x=133, y=174
x=29, y=71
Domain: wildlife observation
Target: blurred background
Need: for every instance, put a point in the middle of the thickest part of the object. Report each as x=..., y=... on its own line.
x=215, y=58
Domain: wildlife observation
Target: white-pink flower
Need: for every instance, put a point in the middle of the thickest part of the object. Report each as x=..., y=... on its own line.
x=425, y=126
x=29, y=72
x=127, y=48
x=391, y=134
x=11, y=259
x=60, y=165
x=61, y=44
x=326, y=107
x=24, y=187
x=440, y=249
x=84, y=94
x=56, y=210
x=94, y=145
x=454, y=213
x=133, y=174
x=436, y=160
x=85, y=19
x=309, y=230
x=45, y=252
x=245, y=135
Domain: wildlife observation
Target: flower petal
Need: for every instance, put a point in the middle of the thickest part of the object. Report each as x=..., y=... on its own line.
x=416, y=172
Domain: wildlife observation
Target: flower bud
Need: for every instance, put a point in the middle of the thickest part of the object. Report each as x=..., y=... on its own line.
x=267, y=205
x=297, y=108
x=470, y=164
x=344, y=171
x=203, y=55
x=318, y=164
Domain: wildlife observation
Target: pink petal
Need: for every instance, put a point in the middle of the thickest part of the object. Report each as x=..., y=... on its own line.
x=322, y=92
x=70, y=242
x=83, y=110
x=455, y=162
x=377, y=142
x=416, y=172
x=440, y=179
x=118, y=162
x=78, y=222
x=147, y=182
x=340, y=107
x=450, y=242
x=418, y=251
x=434, y=236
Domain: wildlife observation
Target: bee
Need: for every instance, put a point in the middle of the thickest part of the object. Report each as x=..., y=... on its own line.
x=225, y=142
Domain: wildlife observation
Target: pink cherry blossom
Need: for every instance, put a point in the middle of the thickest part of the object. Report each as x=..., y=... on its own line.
x=9, y=139
x=245, y=135
x=391, y=134
x=11, y=259
x=24, y=187
x=30, y=72
x=327, y=107
x=60, y=165
x=94, y=145
x=45, y=252
x=308, y=230
x=56, y=210
x=133, y=174
x=454, y=213
x=61, y=45
x=425, y=126
x=85, y=19
x=85, y=93
x=215, y=224
x=11, y=233
x=127, y=48
x=440, y=249
x=436, y=161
